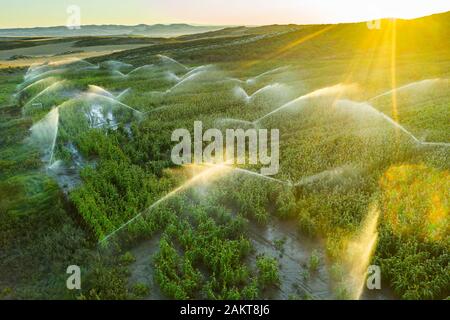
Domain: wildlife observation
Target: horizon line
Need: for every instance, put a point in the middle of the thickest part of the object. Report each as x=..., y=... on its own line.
x=229, y=25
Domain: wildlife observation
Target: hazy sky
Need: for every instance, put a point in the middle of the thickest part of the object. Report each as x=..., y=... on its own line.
x=30, y=13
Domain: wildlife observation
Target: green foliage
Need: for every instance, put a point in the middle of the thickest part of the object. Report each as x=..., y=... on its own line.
x=342, y=293
x=314, y=261
x=412, y=251
x=175, y=275
x=127, y=258
x=267, y=271
x=286, y=204
x=209, y=260
x=279, y=244
x=141, y=290
x=105, y=283
x=408, y=263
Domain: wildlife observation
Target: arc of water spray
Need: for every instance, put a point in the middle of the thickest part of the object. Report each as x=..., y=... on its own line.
x=409, y=85
x=99, y=90
x=400, y=127
x=276, y=70
x=187, y=79
x=35, y=84
x=193, y=71
x=42, y=76
x=255, y=78
x=168, y=59
x=126, y=75
x=123, y=93
x=206, y=173
x=321, y=175
x=49, y=88
x=47, y=127
x=198, y=69
x=61, y=66
x=117, y=72
x=54, y=114
x=147, y=66
x=115, y=101
x=316, y=93
x=239, y=91
x=102, y=91
x=261, y=176
x=172, y=76
x=189, y=76
x=52, y=150
x=340, y=87
x=115, y=65
x=212, y=169
x=36, y=70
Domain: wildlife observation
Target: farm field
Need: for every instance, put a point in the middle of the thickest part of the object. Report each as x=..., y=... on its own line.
x=22, y=52
x=86, y=176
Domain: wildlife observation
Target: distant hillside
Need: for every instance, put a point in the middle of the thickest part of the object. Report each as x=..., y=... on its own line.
x=245, y=31
x=157, y=30
x=427, y=36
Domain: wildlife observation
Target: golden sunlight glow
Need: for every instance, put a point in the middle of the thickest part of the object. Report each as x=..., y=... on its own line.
x=302, y=40
x=411, y=206
x=290, y=46
x=394, y=69
x=363, y=59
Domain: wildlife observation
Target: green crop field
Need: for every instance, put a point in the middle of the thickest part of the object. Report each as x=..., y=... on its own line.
x=86, y=176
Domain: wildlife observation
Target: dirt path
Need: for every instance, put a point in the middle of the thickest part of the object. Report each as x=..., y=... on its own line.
x=293, y=257
x=142, y=270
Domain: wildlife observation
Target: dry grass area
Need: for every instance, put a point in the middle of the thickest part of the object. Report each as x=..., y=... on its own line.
x=56, y=51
